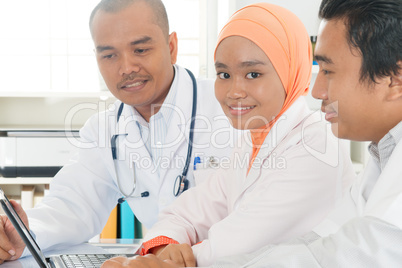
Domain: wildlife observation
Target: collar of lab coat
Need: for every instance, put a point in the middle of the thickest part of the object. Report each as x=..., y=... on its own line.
x=385, y=200
x=283, y=126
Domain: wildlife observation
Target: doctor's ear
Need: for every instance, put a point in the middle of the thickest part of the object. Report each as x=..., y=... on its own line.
x=395, y=85
x=173, y=43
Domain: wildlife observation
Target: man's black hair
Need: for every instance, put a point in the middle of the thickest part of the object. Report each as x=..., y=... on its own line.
x=374, y=27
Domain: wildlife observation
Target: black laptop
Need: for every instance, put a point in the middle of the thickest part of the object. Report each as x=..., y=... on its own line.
x=67, y=260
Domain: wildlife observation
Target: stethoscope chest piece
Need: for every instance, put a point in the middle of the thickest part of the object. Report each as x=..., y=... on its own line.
x=180, y=185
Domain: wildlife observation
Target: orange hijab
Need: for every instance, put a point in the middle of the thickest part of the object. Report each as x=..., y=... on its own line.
x=284, y=39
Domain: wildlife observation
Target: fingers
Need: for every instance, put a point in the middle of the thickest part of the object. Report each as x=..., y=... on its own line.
x=188, y=256
x=114, y=262
x=148, y=261
x=170, y=252
x=7, y=251
x=181, y=254
x=11, y=244
x=157, y=250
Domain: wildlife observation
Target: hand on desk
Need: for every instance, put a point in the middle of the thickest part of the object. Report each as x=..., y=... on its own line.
x=181, y=254
x=11, y=244
x=170, y=256
x=148, y=261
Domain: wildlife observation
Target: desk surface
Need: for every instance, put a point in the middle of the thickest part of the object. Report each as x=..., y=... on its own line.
x=114, y=246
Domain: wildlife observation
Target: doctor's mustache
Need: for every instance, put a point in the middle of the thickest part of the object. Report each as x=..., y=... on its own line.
x=131, y=77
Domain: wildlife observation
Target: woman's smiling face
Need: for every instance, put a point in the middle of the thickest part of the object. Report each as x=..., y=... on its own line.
x=247, y=85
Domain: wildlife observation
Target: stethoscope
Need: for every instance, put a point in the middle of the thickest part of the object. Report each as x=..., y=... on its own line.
x=181, y=183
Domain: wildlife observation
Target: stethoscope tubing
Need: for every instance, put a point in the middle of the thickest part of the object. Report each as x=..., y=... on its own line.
x=192, y=124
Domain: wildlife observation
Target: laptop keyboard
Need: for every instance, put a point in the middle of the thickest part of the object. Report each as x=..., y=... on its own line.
x=85, y=260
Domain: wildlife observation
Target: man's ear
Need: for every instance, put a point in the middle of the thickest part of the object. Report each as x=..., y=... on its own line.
x=173, y=43
x=395, y=86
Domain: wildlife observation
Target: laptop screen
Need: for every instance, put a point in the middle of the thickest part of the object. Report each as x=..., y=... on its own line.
x=22, y=230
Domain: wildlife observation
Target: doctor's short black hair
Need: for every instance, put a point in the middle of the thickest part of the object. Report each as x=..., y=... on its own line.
x=374, y=27
x=112, y=6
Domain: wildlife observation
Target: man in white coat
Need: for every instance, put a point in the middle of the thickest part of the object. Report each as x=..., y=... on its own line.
x=149, y=134
x=359, y=50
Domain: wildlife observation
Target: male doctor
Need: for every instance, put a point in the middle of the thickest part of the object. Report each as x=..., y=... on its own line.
x=134, y=151
x=359, y=50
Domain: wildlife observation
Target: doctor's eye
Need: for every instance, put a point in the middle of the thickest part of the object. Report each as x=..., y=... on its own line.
x=223, y=75
x=141, y=50
x=252, y=75
x=325, y=72
x=108, y=56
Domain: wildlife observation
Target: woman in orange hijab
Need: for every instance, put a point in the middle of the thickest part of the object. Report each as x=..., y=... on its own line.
x=287, y=172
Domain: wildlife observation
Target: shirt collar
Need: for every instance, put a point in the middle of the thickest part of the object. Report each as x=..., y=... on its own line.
x=382, y=151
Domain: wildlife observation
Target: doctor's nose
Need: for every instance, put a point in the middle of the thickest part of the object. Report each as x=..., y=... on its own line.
x=236, y=90
x=320, y=90
x=128, y=65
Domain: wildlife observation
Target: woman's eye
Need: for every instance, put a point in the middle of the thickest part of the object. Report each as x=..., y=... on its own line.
x=252, y=75
x=223, y=75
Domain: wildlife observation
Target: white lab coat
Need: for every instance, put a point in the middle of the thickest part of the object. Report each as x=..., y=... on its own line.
x=365, y=230
x=85, y=191
x=293, y=190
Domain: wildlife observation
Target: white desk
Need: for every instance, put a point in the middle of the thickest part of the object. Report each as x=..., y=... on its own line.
x=114, y=246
